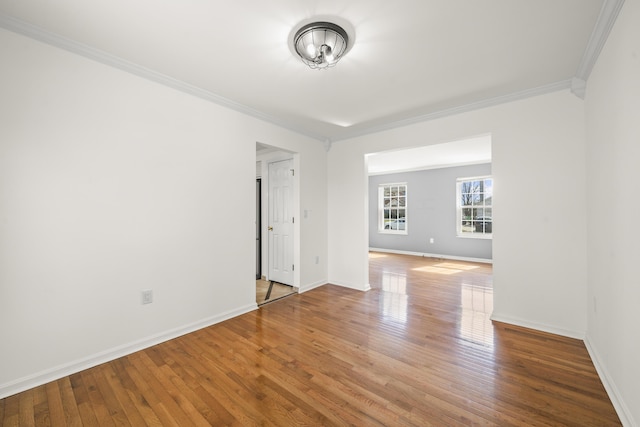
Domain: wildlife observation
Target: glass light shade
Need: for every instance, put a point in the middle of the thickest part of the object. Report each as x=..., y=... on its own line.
x=320, y=44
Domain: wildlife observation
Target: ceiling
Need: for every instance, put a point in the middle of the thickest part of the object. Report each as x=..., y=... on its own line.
x=411, y=60
x=455, y=153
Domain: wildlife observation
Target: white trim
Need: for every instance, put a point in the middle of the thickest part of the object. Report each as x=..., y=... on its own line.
x=607, y=17
x=478, y=105
x=427, y=255
x=486, y=236
x=537, y=326
x=57, y=372
x=364, y=288
x=578, y=87
x=626, y=418
x=459, y=208
x=56, y=40
x=381, y=208
x=311, y=286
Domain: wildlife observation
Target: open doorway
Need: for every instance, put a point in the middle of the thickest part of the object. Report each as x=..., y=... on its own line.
x=433, y=204
x=434, y=200
x=275, y=207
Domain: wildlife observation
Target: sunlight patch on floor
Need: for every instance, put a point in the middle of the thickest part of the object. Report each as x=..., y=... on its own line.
x=437, y=270
x=446, y=268
x=457, y=266
x=376, y=255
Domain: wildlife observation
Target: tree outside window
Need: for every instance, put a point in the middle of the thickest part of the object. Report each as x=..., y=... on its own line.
x=475, y=207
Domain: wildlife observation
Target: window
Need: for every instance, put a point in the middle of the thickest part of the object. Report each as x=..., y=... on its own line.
x=474, y=207
x=392, y=208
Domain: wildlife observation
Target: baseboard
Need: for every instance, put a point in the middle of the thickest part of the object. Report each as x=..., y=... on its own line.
x=614, y=394
x=55, y=373
x=311, y=286
x=538, y=326
x=365, y=288
x=427, y=255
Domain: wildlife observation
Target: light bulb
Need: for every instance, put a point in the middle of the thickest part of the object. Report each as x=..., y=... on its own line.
x=311, y=50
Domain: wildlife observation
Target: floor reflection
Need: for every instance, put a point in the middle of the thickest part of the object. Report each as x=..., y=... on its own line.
x=393, y=298
x=463, y=290
x=477, y=306
x=446, y=268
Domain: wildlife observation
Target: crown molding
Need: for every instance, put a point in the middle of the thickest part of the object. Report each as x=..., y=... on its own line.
x=578, y=87
x=485, y=103
x=37, y=33
x=578, y=84
x=606, y=19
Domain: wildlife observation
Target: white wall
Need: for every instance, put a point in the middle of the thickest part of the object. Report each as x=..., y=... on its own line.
x=110, y=184
x=613, y=140
x=538, y=170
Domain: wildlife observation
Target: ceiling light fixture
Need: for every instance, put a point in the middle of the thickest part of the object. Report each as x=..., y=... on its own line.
x=320, y=44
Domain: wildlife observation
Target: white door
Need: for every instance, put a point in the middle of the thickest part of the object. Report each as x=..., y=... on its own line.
x=280, y=222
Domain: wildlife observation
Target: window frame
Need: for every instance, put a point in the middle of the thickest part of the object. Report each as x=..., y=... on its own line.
x=381, y=208
x=459, y=207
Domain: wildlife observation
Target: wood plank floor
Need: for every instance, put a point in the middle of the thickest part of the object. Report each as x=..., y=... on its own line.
x=418, y=349
x=278, y=291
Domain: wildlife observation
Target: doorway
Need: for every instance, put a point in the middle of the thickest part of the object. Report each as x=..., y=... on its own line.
x=276, y=203
x=433, y=228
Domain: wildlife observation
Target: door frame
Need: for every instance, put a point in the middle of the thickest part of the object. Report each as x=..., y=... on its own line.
x=258, y=228
x=275, y=156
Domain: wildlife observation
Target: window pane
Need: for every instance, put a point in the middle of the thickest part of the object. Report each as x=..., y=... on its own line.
x=475, y=200
x=392, y=206
x=488, y=191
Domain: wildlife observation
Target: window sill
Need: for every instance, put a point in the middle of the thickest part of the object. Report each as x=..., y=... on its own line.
x=396, y=232
x=476, y=236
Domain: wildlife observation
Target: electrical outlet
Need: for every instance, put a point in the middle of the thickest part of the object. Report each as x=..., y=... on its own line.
x=147, y=296
x=317, y=259
x=432, y=240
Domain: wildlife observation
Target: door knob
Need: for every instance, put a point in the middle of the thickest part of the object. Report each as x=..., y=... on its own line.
x=270, y=229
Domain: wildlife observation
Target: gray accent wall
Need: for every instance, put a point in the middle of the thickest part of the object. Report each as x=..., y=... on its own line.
x=431, y=213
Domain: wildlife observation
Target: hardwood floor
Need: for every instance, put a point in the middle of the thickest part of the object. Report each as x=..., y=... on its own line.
x=418, y=349
x=278, y=291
